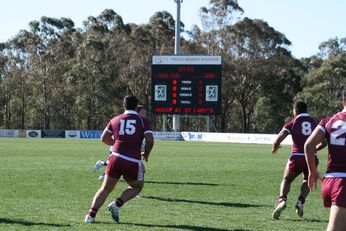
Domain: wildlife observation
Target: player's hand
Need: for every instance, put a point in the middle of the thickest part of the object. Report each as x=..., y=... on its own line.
x=144, y=157
x=275, y=149
x=312, y=180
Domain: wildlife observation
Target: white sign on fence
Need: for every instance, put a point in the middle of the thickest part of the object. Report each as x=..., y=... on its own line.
x=233, y=137
x=72, y=134
x=33, y=133
x=167, y=135
x=9, y=133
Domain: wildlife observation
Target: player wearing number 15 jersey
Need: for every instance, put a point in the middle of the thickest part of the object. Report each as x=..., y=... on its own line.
x=334, y=182
x=126, y=133
x=300, y=129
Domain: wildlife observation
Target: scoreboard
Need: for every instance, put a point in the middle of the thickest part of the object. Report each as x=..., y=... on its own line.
x=186, y=85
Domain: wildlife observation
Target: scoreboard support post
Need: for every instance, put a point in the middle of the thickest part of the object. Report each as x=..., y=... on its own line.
x=176, y=118
x=176, y=123
x=164, y=122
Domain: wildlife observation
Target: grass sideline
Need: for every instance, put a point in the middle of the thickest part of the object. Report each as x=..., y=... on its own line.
x=48, y=184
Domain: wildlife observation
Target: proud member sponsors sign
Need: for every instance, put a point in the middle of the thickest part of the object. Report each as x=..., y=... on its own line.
x=9, y=133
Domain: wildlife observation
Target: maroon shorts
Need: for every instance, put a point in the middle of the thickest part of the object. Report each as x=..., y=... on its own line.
x=297, y=164
x=334, y=191
x=130, y=170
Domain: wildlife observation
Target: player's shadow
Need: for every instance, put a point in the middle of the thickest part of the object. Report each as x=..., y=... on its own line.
x=180, y=183
x=29, y=223
x=308, y=220
x=183, y=227
x=227, y=204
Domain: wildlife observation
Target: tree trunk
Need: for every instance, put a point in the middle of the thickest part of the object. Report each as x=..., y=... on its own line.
x=23, y=112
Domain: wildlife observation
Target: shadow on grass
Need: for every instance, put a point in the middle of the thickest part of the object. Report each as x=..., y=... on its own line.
x=180, y=183
x=184, y=227
x=29, y=223
x=308, y=220
x=227, y=204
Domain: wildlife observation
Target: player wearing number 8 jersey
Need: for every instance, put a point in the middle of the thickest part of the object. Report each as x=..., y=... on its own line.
x=334, y=182
x=299, y=128
x=126, y=132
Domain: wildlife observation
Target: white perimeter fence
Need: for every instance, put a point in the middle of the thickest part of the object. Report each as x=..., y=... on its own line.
x=183, y=136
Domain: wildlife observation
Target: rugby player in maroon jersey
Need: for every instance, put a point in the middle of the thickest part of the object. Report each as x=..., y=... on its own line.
x=126, y=133
x=300, y=128
x=333, y=130
x=142, y=111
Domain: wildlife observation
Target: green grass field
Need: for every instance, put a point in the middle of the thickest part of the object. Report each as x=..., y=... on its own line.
x=48, y=184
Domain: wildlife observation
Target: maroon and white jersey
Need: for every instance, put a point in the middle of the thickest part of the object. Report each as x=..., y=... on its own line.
x=300, y=129
x=128, y=130
x=334, y=129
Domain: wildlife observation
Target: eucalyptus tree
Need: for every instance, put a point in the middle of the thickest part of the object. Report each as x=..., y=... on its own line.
x=264, y=67
x=14, y=80
x=87, y=73
x=162, y=29
x=3, y=60
x=142, y=42
x=211, y=39
x=278, y=90
x=135, y=73
x=16, y=91
x=6, y=89
x=249, y=49
x=95, y=73
x=63, y=96
x=332, y=48
x=254, y=54
x=46, y=72
x=324, y=84
x=3, y=92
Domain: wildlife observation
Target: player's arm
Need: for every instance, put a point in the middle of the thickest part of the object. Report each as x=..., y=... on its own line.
x=107, y=137
x=276, y=145
x=316, y=137
x=321, y=145
x=149, y=144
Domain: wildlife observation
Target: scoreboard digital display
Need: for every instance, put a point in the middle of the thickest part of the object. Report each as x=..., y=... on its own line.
x=186, y=85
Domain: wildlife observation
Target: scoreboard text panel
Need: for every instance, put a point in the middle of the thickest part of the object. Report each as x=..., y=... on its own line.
x=186, y=85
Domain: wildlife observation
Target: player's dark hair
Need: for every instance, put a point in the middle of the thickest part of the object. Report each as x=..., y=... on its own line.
x=130, y=102
x=300, y=107
x=140, y=108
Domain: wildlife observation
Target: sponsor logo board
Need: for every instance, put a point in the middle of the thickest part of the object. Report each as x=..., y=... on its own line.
x=53, y=134
x=73, y=134
x=33, y=133
x=9, y=133
x=90, y=134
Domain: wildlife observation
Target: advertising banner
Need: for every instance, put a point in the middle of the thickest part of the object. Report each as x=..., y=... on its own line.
x=192, y=136
x=72, y=134
x=33, y=133
x=234, y=137
x=9, y=133
x=90, y=134
x=53, y=134
x=167, y=136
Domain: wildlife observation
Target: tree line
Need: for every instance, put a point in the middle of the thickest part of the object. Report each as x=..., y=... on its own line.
x=57, y=76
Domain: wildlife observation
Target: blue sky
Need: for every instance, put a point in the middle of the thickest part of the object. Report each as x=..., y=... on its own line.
x=306, y=23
